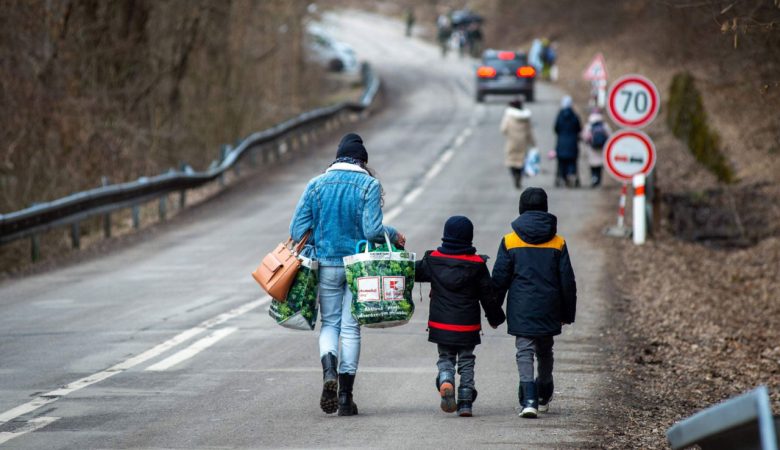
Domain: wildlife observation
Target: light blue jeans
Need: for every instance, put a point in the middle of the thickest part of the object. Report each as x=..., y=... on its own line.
x=337, y=320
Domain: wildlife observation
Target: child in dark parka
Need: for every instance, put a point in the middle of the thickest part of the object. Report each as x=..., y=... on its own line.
x=460, y=281
x=533, y=266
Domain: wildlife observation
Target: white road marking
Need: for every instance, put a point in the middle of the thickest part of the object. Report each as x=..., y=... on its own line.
x=184, y=336
x=24, y=409
x=30, y=426
x=440, y=163
x=411, y=196
x=192, y=350
x=313, y=369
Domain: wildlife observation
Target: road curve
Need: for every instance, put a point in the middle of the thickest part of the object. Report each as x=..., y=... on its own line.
x=77, y=344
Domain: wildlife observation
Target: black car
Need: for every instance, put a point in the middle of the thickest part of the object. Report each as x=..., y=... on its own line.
x=505, y=72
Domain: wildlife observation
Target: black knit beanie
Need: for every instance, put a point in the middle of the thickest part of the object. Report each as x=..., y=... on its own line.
x=458, y=234
x=351, y=146
x=533, y=199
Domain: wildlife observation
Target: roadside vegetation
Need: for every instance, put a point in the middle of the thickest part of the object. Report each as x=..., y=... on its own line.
x=95, y=92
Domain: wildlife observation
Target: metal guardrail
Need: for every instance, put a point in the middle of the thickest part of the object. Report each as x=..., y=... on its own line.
x=272, y=143
x=743, y=423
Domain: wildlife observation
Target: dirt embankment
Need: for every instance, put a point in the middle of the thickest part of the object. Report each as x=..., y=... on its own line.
x=692, y=322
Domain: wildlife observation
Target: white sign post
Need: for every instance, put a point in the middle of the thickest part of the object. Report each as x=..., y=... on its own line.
x=633, y=101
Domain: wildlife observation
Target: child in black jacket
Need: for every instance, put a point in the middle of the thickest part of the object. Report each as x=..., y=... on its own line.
x=460, y=280
x=533, y=265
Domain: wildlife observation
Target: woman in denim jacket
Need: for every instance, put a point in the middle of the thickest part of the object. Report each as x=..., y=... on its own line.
x=340, y=207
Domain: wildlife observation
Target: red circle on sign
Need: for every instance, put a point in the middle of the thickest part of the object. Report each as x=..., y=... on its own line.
x=610, y=146
x=654, y=101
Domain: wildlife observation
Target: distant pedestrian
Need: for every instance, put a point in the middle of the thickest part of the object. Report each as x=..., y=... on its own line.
x=567, y=130
x=460, y=281
x=516, y=126
x=596, y=134
x=409, y=16
x=443, y=33
x=533, y=266
x=340, y=207
x=535, y=55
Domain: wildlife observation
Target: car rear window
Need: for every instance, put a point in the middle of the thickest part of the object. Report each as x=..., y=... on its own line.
x=512, y=65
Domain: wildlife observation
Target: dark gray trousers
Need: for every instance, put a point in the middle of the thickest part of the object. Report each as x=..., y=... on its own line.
x=463, y=357
x=542, y=348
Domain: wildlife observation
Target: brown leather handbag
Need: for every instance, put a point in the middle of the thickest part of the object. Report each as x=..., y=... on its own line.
x=277, y=271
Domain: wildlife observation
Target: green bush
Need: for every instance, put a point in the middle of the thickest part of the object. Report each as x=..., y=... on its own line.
x=688, y=121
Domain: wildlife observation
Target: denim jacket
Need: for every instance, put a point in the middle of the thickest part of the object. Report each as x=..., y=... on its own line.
x=341, y=207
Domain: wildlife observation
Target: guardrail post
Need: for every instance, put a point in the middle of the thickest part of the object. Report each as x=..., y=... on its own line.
x=163, y=207
x=35, y=247
x=106, y=217
x=183, y=192
x=136, y=213
x=223, y=151
x=75, y=235
x=253, y=156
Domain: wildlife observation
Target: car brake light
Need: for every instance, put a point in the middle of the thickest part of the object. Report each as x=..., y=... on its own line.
x=486, y=72
x=506, y=56
x=526, y=72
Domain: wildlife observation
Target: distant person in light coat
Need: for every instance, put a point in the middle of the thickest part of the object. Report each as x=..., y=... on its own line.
x=516, y=126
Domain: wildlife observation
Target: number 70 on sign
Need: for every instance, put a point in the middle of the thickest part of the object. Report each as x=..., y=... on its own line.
x=633, y=101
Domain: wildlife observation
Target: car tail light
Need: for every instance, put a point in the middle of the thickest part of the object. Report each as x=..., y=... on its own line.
x=506, y=56
x=526, y=72
x=486, y=72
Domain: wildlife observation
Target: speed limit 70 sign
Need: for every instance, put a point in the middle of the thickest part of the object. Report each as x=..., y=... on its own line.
x=633, y=101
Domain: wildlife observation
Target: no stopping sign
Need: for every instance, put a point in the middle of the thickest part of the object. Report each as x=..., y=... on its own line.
x=628, y=153
x=633, y=101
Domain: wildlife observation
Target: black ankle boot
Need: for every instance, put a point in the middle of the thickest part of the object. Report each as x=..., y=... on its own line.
x=466, y=397
x=445, y=383
x=329, y=401
x=346, y=406
x=529, y=400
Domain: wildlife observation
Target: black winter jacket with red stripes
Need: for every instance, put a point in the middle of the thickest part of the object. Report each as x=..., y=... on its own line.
x=458, y=284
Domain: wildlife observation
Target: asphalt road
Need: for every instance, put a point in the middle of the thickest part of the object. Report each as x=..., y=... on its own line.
x=77, y=344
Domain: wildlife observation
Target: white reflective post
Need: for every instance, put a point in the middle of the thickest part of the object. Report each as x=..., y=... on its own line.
x=640, y=220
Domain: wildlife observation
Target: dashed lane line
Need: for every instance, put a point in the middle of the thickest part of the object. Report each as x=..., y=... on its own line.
x=30, y=426
x=129, y=363
x=435, y=169
x=192, y=350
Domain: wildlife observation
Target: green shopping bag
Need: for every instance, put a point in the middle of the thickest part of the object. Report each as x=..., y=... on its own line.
x=381, y=282
x=299, y=310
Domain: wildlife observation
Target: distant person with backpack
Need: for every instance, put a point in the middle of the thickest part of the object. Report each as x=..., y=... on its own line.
x=567, y=129
x=596, y=134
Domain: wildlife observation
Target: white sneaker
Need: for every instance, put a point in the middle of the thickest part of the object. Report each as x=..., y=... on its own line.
x=529, y=413
x=544, y=408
